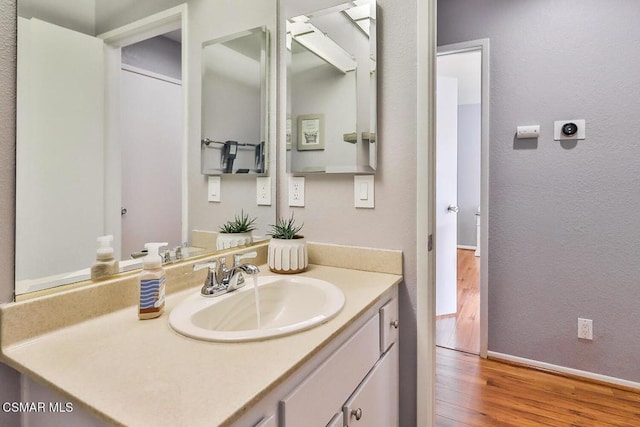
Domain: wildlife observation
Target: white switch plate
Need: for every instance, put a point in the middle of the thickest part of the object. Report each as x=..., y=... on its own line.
x=296, y=191
x=214, y=189
x=263, y=191
x=363, y=191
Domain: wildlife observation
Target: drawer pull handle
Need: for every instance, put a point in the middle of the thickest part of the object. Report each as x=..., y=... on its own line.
x=395, y=324
x=357, y=413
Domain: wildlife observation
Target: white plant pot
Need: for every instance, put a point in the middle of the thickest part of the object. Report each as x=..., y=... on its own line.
x=287, y=256
x=231, y=240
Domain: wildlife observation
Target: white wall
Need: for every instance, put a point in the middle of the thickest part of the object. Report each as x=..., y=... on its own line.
x=329, y=215
x=77, y=15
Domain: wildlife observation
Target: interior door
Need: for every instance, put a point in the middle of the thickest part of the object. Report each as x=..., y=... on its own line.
x=446, y=195
x=60, y=173
x=151, y=134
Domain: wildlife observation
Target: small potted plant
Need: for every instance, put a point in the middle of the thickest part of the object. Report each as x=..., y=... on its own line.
x=236, y=232
x=287, y=249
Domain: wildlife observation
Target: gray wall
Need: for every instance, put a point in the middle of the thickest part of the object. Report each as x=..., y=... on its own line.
x=329, y=215
x=159, y=55
x=469, y=128
x=10, y=389
x=563, y=229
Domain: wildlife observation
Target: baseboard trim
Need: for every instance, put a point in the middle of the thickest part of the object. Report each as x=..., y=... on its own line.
x=564, y=371
x=471, y=248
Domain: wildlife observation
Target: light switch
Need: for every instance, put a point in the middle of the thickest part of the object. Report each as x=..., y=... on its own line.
x=214, y=189
x=363, y=193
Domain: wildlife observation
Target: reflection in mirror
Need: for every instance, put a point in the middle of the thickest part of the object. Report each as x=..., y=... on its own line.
x=83, y=172
x=102, y=133
x=234, y=103
x=331, y=90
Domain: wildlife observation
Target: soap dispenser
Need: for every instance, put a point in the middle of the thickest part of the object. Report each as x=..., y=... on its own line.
x=152, y=281
x=106, y=264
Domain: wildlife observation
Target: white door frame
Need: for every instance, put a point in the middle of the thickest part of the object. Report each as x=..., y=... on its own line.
x=425, y=150
x=425, y=224
x=481, y=45
x=151, y=26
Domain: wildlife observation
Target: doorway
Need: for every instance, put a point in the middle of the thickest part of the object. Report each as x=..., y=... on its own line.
x=121, y=77
x=459, y=106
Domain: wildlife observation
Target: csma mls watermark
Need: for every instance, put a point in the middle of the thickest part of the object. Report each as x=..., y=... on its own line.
x=41, y=407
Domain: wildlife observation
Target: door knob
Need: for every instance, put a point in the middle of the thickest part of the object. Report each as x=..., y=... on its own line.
x=357, y=413
x=453, y=208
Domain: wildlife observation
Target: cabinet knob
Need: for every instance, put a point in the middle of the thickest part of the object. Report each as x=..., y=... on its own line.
x=357, y=413
x=395, y=324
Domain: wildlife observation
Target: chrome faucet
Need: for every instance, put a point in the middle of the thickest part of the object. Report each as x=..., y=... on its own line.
x=233, y=277
x=221, y=279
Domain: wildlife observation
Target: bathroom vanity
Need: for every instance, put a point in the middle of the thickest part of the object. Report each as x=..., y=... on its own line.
x=118, y=370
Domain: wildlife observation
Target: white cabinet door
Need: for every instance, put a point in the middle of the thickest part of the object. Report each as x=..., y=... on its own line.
x=375, y=402
x=314, y=402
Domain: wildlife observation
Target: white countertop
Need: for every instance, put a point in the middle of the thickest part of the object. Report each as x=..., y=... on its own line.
x=141, y=373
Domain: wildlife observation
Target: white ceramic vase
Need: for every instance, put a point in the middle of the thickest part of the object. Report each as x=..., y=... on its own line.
x=288, y=256
x=231, y=240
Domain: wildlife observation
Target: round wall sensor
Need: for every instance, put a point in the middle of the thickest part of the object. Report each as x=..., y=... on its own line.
x=569, y=129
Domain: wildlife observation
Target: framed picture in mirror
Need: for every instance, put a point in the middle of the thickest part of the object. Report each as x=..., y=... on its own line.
x=311, y=132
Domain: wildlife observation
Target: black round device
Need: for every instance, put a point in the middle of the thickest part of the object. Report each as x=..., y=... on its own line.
x=569, y=129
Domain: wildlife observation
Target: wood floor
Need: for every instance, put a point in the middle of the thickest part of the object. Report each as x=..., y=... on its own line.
x=471, y=391
x=461, y=331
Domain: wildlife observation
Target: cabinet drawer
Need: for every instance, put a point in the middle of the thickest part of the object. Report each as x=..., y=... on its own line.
x=388, y=324
x=316, y=400
x=267, y=422
x=375, y=402
x=336, y=421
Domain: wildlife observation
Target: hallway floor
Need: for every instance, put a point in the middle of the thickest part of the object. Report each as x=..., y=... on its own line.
x=461, y=331
x=474, y=392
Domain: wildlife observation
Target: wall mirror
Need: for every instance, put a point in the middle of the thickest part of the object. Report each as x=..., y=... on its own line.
x=331, y=90
x=234, y=103
x=108, y=131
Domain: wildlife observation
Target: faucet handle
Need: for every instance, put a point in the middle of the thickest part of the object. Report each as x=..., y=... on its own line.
x=238, y=257
x=212, y=276
x=199, y=266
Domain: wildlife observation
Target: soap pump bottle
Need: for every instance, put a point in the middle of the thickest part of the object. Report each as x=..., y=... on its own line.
x=106, y=264
x=152, y=282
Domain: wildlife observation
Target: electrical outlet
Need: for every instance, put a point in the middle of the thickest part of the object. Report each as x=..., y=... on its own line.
x=585, y=329
x=263, y=191
x=296, y=191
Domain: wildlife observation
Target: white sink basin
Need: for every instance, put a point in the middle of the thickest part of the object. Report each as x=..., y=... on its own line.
x=288, y=304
